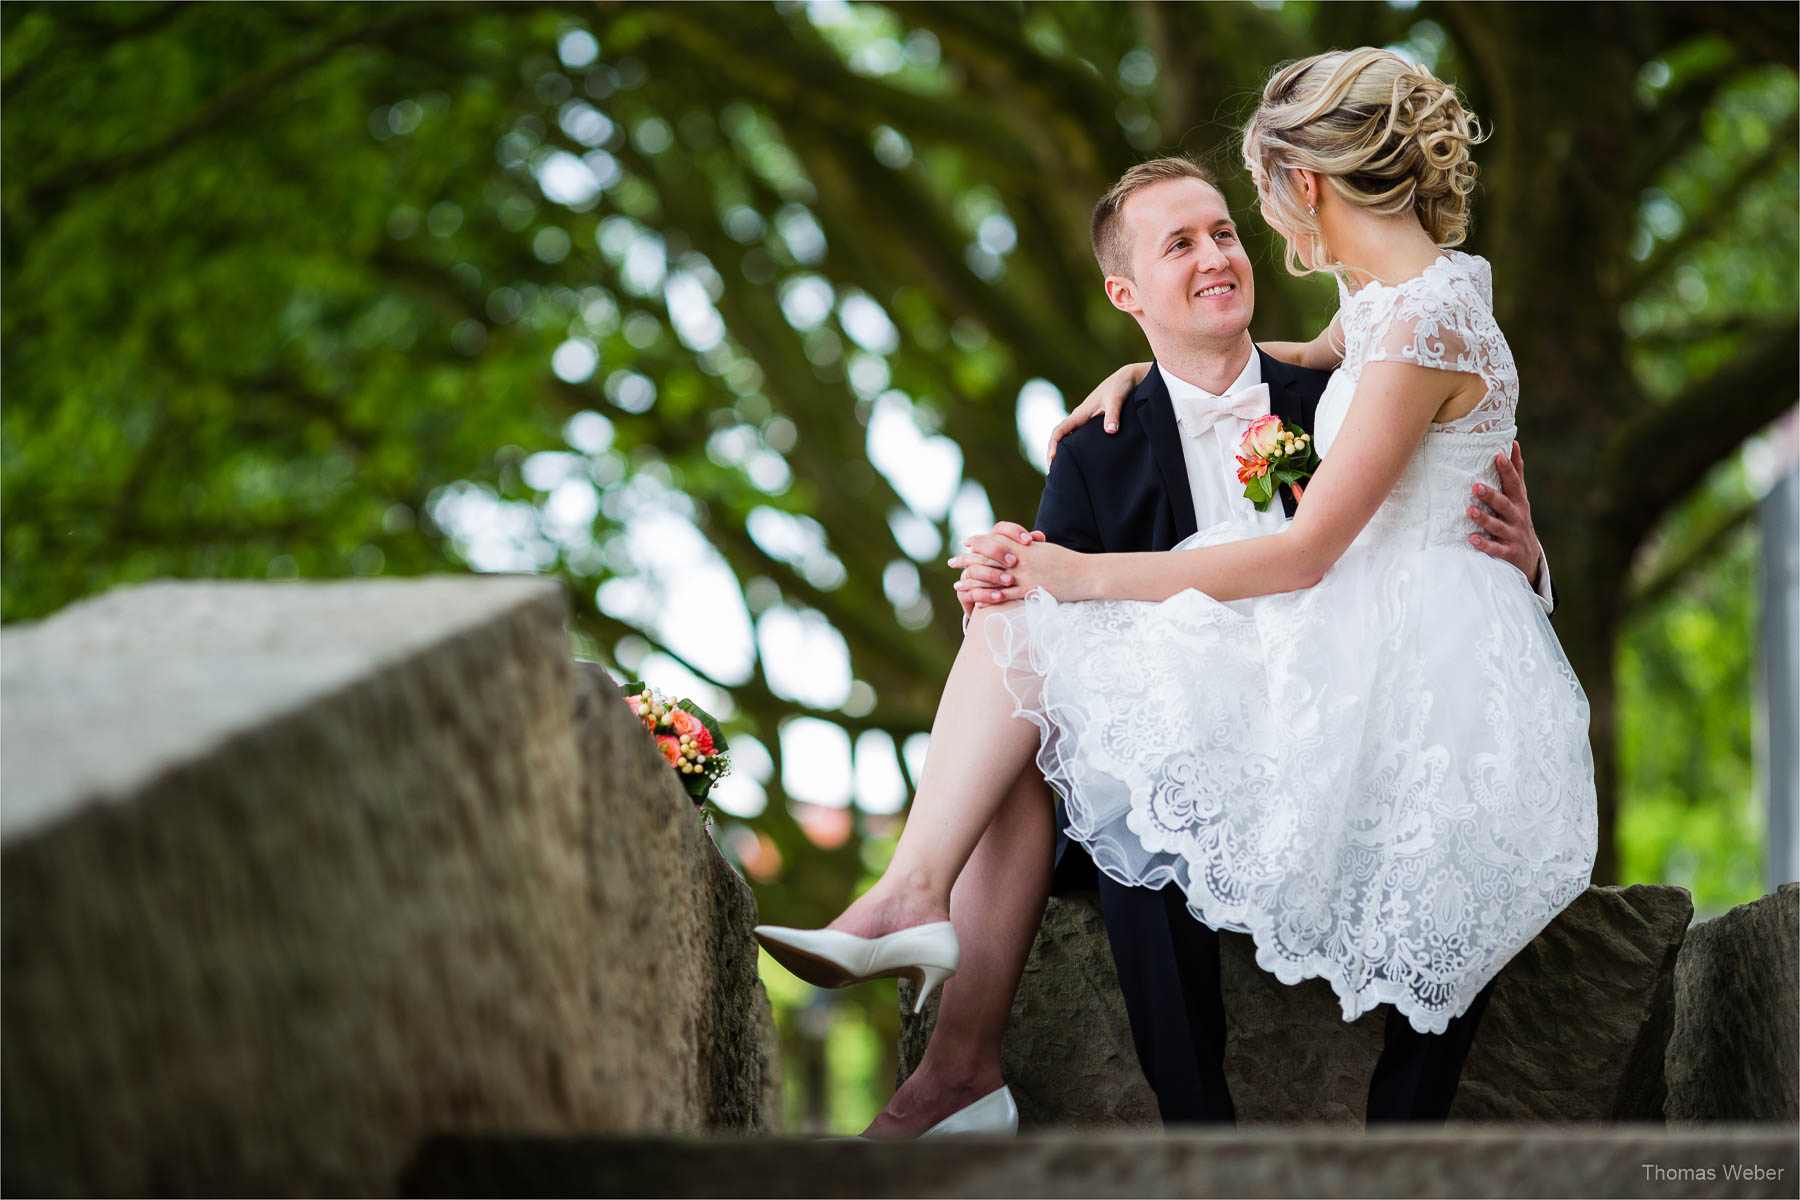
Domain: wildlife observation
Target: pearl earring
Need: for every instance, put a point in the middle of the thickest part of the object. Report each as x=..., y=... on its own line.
x=1311, y=211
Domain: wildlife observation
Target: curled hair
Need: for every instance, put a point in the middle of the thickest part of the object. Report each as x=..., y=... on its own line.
x=1386, y=134
x=1107, y=228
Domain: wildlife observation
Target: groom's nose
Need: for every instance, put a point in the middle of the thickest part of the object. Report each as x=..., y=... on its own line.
x=1210, y=257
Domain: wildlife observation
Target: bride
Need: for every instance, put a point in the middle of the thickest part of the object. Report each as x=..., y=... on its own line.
x=1357, y=739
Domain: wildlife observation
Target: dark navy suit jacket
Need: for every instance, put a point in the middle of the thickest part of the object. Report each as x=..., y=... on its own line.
x=1128, y=491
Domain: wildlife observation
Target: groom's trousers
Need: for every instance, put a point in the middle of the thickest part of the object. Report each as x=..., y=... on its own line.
x=1168, y=966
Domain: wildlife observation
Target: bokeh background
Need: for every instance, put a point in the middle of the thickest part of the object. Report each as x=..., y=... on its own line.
x=738, y=317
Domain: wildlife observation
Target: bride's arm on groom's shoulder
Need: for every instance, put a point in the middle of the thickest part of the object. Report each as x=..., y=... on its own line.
x=1389, y=415
x=1108, y=398
x=1323, y=353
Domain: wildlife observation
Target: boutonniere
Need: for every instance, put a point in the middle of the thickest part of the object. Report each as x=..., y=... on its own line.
x=1272, y=454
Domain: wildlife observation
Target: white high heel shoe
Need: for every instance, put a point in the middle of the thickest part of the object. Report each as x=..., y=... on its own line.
x=827, y=958
x=995, y=1113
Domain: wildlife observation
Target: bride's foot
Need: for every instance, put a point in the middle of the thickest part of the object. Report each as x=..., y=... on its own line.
x=879, y=912
x=882, y=934
x=924, y=1100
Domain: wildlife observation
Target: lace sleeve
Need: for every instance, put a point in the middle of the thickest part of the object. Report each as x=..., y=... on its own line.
x=1426, y=328
x=1442, y=320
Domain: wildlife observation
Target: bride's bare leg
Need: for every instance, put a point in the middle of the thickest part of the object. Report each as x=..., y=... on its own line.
x=997, y=904
x=978, y=750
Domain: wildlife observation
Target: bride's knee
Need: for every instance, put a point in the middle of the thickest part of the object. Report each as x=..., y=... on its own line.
x=977, y=622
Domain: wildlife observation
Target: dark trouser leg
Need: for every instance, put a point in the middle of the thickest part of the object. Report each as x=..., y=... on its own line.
x=1168, y=967
x=1415, y=1077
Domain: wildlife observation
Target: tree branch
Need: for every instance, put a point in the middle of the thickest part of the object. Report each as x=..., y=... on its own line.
x=1648, y=588
x=97, y=38
x=236, y=104
x=1699, y=226
x=1653, y=461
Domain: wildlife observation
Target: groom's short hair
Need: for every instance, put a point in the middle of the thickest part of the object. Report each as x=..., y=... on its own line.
x=1108, y=227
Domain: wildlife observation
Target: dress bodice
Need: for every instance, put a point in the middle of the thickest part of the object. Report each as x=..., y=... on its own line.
x=1441, y=318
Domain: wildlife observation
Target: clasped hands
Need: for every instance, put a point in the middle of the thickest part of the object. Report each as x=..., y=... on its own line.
x=1008, y=561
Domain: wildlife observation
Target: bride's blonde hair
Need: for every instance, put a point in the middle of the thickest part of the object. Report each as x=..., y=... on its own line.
x=1385, y=133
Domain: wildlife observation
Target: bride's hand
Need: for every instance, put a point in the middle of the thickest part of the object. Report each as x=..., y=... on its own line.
x=986, y=561
x=1108, y=398
x=1065, y=574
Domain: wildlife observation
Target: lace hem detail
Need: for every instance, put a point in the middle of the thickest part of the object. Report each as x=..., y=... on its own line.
x=1419, y=892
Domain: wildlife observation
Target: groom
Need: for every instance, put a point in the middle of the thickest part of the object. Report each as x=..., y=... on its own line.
x=1172, y=260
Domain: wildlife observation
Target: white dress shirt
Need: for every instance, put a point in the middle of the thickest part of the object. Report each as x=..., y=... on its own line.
x=1211, y=456
x=1211, y=459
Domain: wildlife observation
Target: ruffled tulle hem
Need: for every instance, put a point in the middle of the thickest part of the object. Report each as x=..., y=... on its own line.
x=1107, y=801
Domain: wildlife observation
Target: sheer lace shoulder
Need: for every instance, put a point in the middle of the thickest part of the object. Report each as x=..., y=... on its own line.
x=1442, y=318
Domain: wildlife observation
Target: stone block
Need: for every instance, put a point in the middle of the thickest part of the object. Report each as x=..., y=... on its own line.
x=1458, y=1160
x=687, y=1038
x=1734, y=1054
x=295, y=876
x=1575, y=1030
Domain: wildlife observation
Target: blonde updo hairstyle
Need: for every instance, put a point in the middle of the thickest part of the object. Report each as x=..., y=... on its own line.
x=1386, y=135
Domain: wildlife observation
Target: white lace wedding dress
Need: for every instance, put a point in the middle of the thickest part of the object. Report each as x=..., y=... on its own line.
x=1385, y=779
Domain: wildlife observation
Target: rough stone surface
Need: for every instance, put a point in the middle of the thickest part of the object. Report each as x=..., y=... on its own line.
x=1733, y=1055
x=1736, y=1161
x=1575, y=1031
x=295, y=876
x=688, y=1040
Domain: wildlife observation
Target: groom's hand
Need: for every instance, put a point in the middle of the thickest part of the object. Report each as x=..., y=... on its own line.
x=1506, y=518
x=986, y=564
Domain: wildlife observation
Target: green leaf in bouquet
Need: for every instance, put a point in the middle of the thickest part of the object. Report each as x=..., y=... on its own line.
x=1260, y=490
x=706, y=719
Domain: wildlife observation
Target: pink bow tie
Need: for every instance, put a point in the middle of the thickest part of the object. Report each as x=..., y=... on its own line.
x=1197, y=414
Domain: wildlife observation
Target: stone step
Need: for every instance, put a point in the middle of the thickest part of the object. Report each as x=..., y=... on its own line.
x=1456, y=1160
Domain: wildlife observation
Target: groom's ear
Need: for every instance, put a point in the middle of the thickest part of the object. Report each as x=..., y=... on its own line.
x=1123, y=294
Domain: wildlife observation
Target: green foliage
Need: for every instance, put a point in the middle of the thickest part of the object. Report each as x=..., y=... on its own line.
x=1691, y=814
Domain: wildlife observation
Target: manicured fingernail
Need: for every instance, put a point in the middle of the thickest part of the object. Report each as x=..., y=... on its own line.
x=996, y=595
x=1475, y=539
x=1472, y=511
x=1006, y=579
x=1111, y=428
x=1012, y=560
x=1480, y=490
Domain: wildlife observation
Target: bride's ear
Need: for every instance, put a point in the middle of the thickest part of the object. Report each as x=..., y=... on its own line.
x=1309, y=188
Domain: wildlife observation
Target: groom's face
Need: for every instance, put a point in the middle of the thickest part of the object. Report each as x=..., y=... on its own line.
x=1190, y=277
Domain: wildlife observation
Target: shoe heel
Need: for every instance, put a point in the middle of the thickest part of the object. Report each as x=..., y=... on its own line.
x=930, y=979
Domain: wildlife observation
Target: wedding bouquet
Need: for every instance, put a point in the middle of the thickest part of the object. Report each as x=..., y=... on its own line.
x=1272, y=454
x=685, y=733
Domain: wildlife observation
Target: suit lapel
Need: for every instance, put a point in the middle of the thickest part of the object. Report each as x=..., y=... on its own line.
x=1150, y=400
x=1287, y=401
